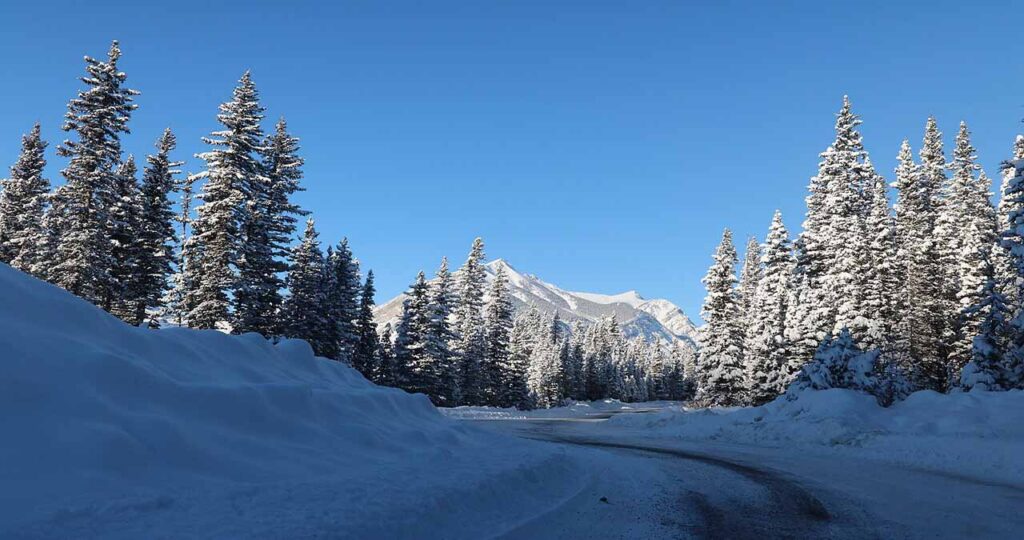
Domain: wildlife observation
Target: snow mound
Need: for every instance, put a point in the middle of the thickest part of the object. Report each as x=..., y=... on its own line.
x=980, y=434
x=115, y=431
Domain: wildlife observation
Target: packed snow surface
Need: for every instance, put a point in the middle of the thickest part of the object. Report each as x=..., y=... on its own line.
x=120, y=432
x=977, y=434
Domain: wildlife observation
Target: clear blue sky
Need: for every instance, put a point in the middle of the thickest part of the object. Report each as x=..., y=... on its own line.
x=600, y=145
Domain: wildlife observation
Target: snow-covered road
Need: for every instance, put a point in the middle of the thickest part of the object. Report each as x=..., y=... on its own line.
x=644, y=486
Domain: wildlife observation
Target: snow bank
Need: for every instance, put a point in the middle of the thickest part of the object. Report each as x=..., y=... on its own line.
x=115, y=431
x=574, y=410
x=980, y=434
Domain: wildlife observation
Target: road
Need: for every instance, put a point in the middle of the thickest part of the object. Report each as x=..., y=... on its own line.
x=646, y=487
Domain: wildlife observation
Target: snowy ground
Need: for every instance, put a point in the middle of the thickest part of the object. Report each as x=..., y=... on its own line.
x=119, y=432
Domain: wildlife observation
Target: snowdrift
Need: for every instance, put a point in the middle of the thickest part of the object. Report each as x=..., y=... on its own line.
x=980, y=434
x=115, y=431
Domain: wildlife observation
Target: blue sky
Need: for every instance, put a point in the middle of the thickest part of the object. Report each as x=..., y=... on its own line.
x=600, y=145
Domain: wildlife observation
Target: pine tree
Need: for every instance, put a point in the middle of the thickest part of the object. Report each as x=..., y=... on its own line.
x=498, y=326
x=839, y=363
x=344, y=298
x=916, y=346
x=768, y=368
x=988, y=369
x=880, y=274
x=1012, y=240
x=721, y=339
x=387, y=371
x=440, y=336
x=521, y=344
x=470, y=346
x=81, y=220
x=126, y=251
x=156, y=236
x=1007, y=279
x=750, y=276
x=23, y=202
x=303, y=313
x=232, y=168
x=365, y=356
x=175, y=304
x=416, y=371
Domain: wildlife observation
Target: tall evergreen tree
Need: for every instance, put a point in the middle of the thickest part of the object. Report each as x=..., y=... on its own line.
x=387, y=371
x=304, y=314
x=216, y=246
x=175, y=304
x=721, y=369
x=471, y=343
x=498, y=325
x=440, y=336
x=81, y=220
x=768, y=367
x=23, y=202
x=126, y=251
x=880, y=276
x=417, y=373
x=156, y=236
x=344, y=298
x=750, y=276
x=365, y=356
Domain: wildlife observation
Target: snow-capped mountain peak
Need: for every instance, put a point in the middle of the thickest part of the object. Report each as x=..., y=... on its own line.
x=653, y=319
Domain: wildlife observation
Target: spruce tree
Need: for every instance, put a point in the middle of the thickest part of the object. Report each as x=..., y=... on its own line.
x=440, y=336
x=988, y=369
x=1012, y=240
x=471, y=344
x=23, y=202
x=232, y=168
x=750, y=276
x=880, y=276
x=365, y=356
x=498, y=325
x=176, y=308
x=387, y=371
x=303, y=313
x=344, y=298
x=721, y=366
x=767, y=363
x=126, y=251
x=81, y=220
x=156, y=236
x=416, y=372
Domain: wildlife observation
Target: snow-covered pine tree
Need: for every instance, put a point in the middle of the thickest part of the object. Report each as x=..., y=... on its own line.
x=1012, y=240
x=498, y=324
x=750, y=276
x=1007, y=279
x=175, y=306
x=387, y=371
x=916, y=341
x=521, y=343
x=303, y=313
x=267, y=227
x=416, y=371
x=365, y=356
x=471, y=344
x=721, y=366
x=81, y=221
x=838, y=363
x=24, y=198
x=126, y=251
x=880, y=278
x=156, y=237
x=344, y=298
x=217, y=236
x=440, y=337
x=767, y=361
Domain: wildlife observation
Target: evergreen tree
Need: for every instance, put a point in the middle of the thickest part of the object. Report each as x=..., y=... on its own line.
x=344, y=298
x=81, y=221
x=156, y=236
x=1012, y=240
x=387, y=372
x=880, y=273
x=416, y=371
x=768, y=367
x=440, y=336
x=232, y=169
x=175, y=303
x=750, y=276
x=471, y=344
x=498, y=326
x=1007, y=279
x=304, y=316
x=988, y=369
x=365, y=356
x=917, y=347
x=721, y=340
x=126, y=251
x=23, y=202
x=839, y=363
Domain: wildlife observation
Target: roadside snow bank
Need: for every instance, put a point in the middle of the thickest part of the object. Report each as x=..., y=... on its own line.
x=979, y=434
x=576, y=409
x=114, y=431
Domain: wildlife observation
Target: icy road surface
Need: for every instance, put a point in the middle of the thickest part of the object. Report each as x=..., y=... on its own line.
x=657, y=487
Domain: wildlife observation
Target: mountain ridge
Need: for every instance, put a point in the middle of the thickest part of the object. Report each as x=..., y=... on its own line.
x=656, y=319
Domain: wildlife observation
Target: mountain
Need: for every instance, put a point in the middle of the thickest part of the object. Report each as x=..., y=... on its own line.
x=652, y=319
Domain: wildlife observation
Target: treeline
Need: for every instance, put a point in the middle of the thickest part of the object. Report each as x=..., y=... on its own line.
x=223, y=263
x=887, y=300
x=459, y=341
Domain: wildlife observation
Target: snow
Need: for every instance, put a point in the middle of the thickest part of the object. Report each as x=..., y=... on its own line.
x=122, y=432
x=976, y=434
x=575, y=410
